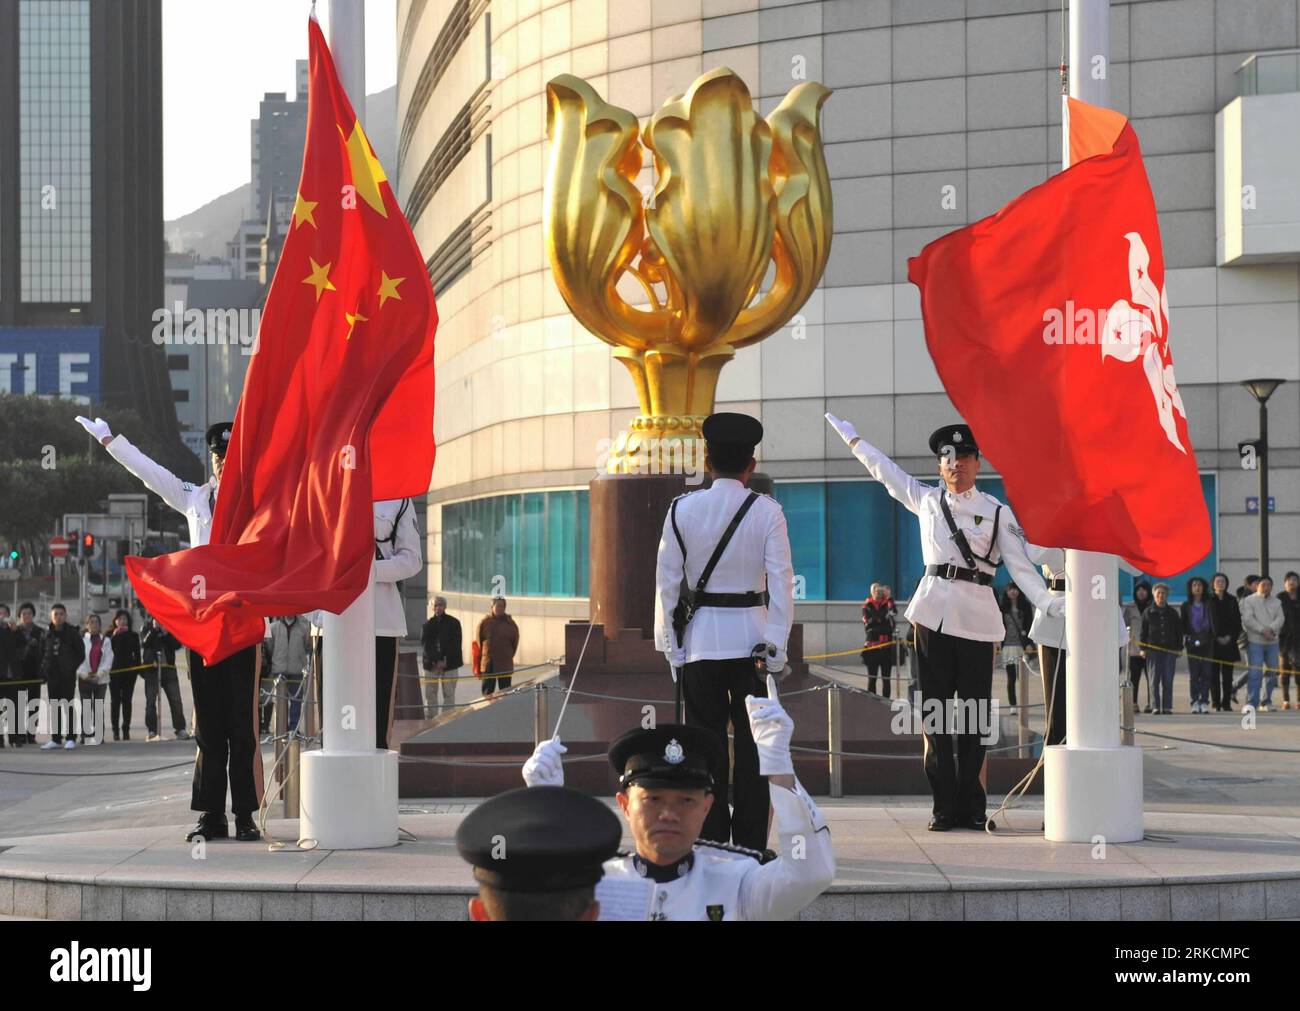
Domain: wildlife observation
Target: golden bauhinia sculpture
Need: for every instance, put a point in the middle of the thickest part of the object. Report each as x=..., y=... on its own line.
x=740, y=200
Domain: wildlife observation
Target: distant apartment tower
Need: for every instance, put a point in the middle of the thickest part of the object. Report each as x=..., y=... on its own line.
x=277, y=136
x=81, y=188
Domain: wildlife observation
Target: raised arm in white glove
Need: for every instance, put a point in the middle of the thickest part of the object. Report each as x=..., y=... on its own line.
x=98, y=428
x=772, y=729
x=544, y=767
x=845, y=429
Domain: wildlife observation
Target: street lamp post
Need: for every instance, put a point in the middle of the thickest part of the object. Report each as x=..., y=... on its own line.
x=1261, y=390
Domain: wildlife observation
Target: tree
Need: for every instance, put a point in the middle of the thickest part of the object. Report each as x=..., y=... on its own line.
x=45, y=469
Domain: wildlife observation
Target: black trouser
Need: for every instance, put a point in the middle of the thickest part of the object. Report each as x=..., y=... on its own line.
x=166, y=678
x=499, y=682
x=9, y=694
x=1052, y=663
x=878, y=665
x=1011, y=683
x=1137, y=666
x=61, y=691
x=121, y=692
x=92, y=710
x=385, y=683
x=714, y=692
x=948, y=665
x=1221, y=674
x=225, y=729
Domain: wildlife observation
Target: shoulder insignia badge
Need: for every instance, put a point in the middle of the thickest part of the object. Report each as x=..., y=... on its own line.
x=715, y=913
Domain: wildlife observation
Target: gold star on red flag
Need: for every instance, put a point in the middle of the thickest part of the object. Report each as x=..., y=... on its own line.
x=353, y=319
x=319, y=278
x=388, y=288
x=302, y=211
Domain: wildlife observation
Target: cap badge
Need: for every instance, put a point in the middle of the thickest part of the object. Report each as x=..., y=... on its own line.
x=673, y=754
x=956, y=436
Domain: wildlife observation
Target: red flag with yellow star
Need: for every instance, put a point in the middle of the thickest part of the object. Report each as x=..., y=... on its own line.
x=337, y=410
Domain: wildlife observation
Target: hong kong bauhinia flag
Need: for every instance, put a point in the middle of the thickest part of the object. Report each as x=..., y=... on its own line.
x=337, y=409
x=1048, y=324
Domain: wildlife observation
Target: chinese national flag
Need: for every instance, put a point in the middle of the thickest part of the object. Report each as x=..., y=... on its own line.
x=337, y=409
x=1049, y=327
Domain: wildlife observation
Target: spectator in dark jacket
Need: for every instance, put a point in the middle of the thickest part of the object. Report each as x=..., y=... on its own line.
x=126, y=668
x=878, y=613
x=441, y=660
x=158, y=651
x=62, y=650
x=28, y=645
x=1198, y=636
x=1225, y=620
x=1290, y=641
x=1162, y=634
x=1017, y=617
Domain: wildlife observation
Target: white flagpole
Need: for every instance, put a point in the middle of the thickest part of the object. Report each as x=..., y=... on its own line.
x=348, y=797
x=1092, y=786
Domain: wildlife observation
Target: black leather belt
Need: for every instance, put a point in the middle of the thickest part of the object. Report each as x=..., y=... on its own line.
x=1056, y=584
x=957, y=572
x=750, y=598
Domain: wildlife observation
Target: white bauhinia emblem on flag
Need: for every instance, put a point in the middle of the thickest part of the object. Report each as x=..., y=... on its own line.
x=1134, y=331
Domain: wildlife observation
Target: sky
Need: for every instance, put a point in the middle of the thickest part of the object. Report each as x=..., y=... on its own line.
x=218, y=61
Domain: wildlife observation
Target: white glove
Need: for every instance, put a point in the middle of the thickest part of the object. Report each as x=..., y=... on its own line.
x=544, y=767
x=847, y=432
x=98, y=428
x=676, y=657
x=773, y=659
x=772, y=729
x=1056, y=607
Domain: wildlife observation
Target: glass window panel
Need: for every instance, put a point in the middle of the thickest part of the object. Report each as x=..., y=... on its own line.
x=534, y=534
x=804, y=503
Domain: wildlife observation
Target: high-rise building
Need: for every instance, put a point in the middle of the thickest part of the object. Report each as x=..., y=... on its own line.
x=278, y=135
x=81, y=226
x=942, y=112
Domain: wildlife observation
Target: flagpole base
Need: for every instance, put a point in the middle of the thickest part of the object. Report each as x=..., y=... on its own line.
x=1092, y=793
x=348, y=799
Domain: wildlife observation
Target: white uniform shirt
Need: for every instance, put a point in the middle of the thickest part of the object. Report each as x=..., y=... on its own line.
x=194, y=501
x=737, y=886
x=402, y=560
x=1048, y=630
x=757, y=558
x=953, y=606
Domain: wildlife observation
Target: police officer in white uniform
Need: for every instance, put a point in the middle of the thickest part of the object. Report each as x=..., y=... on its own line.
x=732, y=617
x=954, y=610
x=1048, y=632
x=397, y=556
x=666, y=792
x=225, y=693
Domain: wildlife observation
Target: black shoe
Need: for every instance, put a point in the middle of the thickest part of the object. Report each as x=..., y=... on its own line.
x=117, y=734
x=126, y=735
x=210, y=826
x=246, y=828
x=978, y=822
x=940, y=823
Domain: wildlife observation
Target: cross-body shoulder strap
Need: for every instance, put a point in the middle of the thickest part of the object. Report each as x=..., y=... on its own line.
x=726, y=539
x=958, y=537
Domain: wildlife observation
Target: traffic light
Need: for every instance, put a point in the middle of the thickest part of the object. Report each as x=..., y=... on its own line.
x=14, y=555
x=73, y=537
x=88, y=545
